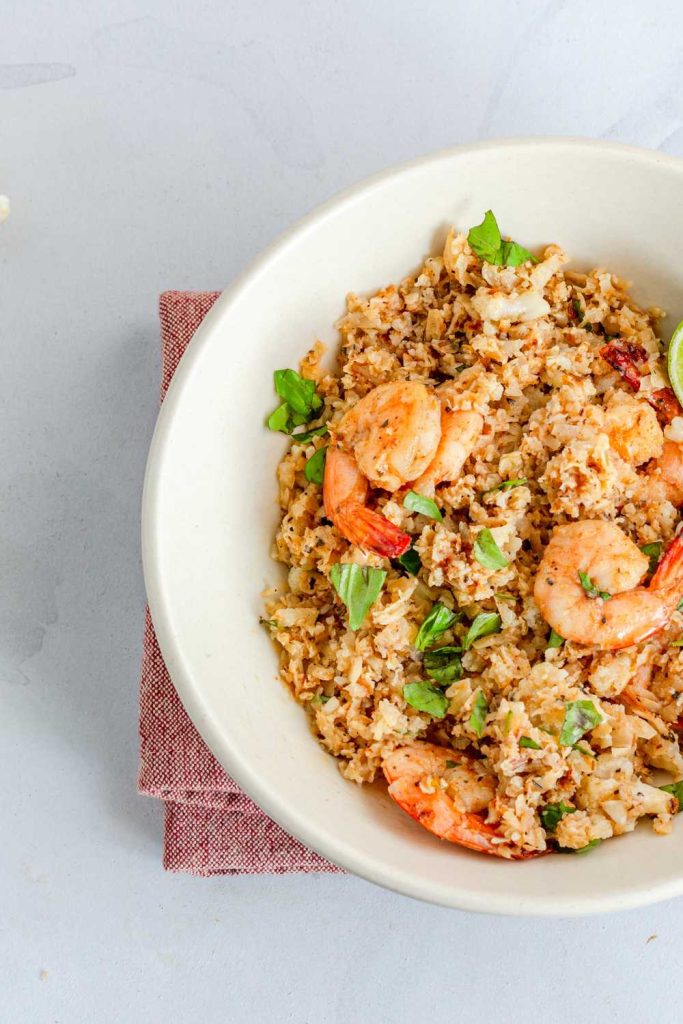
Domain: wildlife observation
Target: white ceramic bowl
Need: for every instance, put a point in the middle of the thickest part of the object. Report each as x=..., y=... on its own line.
x=210, y=494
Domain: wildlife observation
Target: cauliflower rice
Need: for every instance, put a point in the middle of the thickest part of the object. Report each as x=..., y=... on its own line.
x=522, y=346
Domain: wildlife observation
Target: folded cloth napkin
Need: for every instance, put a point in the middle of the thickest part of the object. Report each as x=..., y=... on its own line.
x=211, y=826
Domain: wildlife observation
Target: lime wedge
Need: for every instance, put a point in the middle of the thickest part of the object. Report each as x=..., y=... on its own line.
x=674, y=362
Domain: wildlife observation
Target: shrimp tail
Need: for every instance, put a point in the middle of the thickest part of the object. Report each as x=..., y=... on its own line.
x=669, y=574
x=435, y=812
x=370, y=530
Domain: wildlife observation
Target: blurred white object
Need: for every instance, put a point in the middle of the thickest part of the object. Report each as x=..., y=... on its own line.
x=4, y=208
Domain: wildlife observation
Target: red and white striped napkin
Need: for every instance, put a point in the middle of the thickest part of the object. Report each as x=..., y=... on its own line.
x=211, y=826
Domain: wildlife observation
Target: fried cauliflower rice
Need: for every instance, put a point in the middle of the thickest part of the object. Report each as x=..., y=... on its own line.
x=577, y=422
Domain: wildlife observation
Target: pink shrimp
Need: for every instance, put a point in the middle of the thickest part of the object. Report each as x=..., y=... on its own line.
x=608, y=560
x=415, y=773
x=344, y=493
x=397, y=435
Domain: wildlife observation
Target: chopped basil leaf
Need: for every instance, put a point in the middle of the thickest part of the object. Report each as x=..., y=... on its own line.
x=579, y=718
x=507, y=722
x=415, y=502
x=300, y=404
x=279, y=419
x=460, y=367
x=484, y=624
x=297, y=392
x=426, y=697
x=507, y=485
x=485, y=241
x=581, y=750
x=582, y=849
x=319, y=699
x=676, y=788
x=479, y=712
x=451, y=764
x=653, y=552
x=437, y=622
x=487, y=552
x=552, y=814
x=358, y=587
x=578, y=309
x=679, y=606
x=554, y=640
x=271, y=623
x=314, y=470
x=591, y=589
x=676, y=643
x=526, y=741
x=308, y=435
x=409, y=560
x=444, y=665
x=512, y=254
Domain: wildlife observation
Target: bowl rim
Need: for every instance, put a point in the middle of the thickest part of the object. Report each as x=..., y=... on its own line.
x=288, y=817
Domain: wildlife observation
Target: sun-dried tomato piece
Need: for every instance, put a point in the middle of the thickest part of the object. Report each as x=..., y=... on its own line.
x=623, y=357
x=665, y=404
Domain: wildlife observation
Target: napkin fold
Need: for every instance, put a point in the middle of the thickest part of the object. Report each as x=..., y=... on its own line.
x=211, y=826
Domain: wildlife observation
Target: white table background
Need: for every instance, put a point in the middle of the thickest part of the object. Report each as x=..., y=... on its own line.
x=160, y=144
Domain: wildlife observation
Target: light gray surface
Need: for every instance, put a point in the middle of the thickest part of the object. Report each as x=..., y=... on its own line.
x=154, y=145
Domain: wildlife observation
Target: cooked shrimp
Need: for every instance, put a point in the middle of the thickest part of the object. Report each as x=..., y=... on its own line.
x=396, y=435
x=634, y=431
x=460, y=431
x=614, y=565
x=669, y=470
x=393, y=433
x=344, y=493
x=447, y=793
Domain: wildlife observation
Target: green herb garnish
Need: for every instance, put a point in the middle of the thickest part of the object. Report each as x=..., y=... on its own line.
x=676, y=643
x=654, y=553
x=437, y=622
x=451, y=764
x=444, y=665
x=579, y=718
x=487, y=552
x=409, y=560
x=554, y=640
x=582, y=849
x=676, y=788
x=480, y=710
x=507, y=485
x=280, y=419
x=486, y=242
x=358, y=587
x=426, y=697
x=484, y=624
x=271, y=623
x=319, y=699
x=297, y=392
x=415, y=502
x=314, y=470
x=527, y=742
x=552, y=814
x=299, y=401
x=304, y=436
x=679, y=606
x=590, y=587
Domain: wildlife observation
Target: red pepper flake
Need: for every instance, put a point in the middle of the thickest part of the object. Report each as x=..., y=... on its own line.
x=624, y=357
x=665, y=404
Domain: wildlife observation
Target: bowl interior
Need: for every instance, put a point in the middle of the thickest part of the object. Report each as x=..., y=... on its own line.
x=210, y=496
